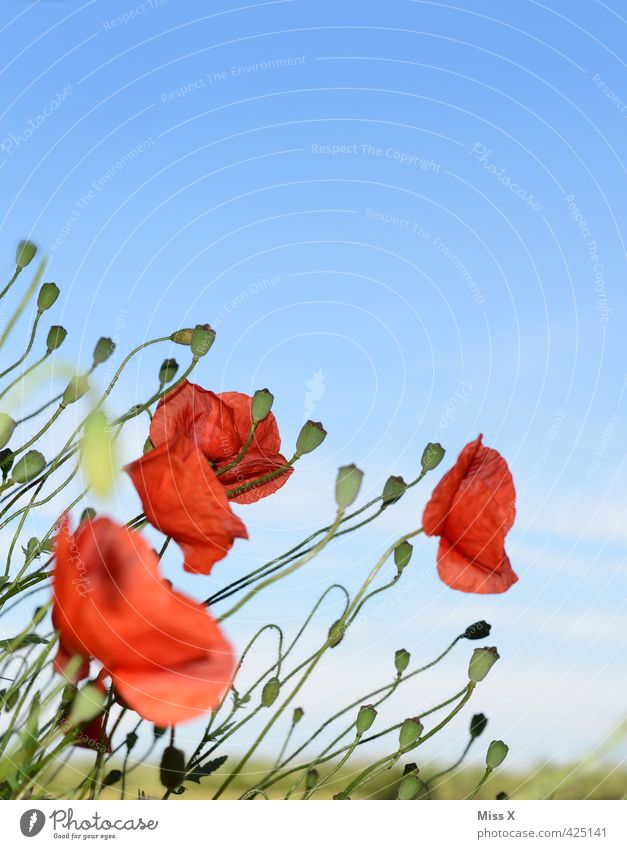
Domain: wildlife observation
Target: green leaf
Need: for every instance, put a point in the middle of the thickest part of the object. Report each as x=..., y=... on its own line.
x=204, y=770
x=98, y=454
x=23, y=640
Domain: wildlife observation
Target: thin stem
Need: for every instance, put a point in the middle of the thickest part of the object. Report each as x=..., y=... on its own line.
x=21, y=377
x=288, y=571
x=241, y=454
x=16, y=274
x=484, y=778
x=245, y=487
x=28, y=346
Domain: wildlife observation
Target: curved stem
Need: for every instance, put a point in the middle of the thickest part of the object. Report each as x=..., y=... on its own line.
x=288, y=571
x=31, y=340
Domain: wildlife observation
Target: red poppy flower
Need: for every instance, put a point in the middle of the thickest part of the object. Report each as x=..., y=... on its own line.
x=166, y=656
x=220, y=425
x=472, y=509
x=182, y=496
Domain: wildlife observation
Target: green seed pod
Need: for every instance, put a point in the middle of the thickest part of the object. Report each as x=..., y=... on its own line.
x=32, y=549
x=28, y=467
x=131, y=740
x=56, y=337
x=48, y=294
x=172, y=769
x=481, y=663
x=312, y=779
x=182, y=337
x=409, y=787
x=347, y=485
x=366, y=716
x=477, y=631
x=76, y=388
x=401, y=660
x=261, y=405
x=203, y=337
x=270, y=691
x=6, y=462
x=103, y=350
x=87, y=515
x=402, y=555
x=311, y=435
x=478, y=724
x=393, y=489
x=336, y=633
x=432, y=456
x=411, y=729
x=297, y=715
x=25, y=253
x=7, y=427
x=168, y=371
x=496, y=754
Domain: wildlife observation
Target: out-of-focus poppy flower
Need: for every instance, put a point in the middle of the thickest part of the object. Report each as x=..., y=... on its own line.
x=472, y=509
x=165, y=655
x=220, y=424
x=183, y=498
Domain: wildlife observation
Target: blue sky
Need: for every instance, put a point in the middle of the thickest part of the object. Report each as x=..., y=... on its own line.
x=404, y=219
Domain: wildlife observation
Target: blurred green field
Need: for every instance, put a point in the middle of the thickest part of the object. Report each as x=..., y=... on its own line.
x=576, y=781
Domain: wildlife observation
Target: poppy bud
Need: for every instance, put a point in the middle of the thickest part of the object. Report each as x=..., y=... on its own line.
x=336, y=633
x=347, y=485
x=411, y=729
x=88, y=514
x=203, y=337
x=48, y=294
x=496, y=754
x=270, y=691
x=103, y=350
x=76, y=388
x=311, y=435
x=298, y=715
x=7, y=426
x=502, y=795
x=182, y=337
x=401, y=660
x=158, y=731
x=32, y=548
x=56, y=337
x=393, y=489
x=409, y=787
x=168, y=371
x=6, y=461
x=432, y=456
x=312, y=778
x=366, y=716
x=148, y=445
x=402, y=555
x=131, y=739
x=28, y=467
x=111, y=778
x=477, y=631
x=481, y=663
x=478, y=724
x=25, y=253
x=261, y=404
x=172, y=769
